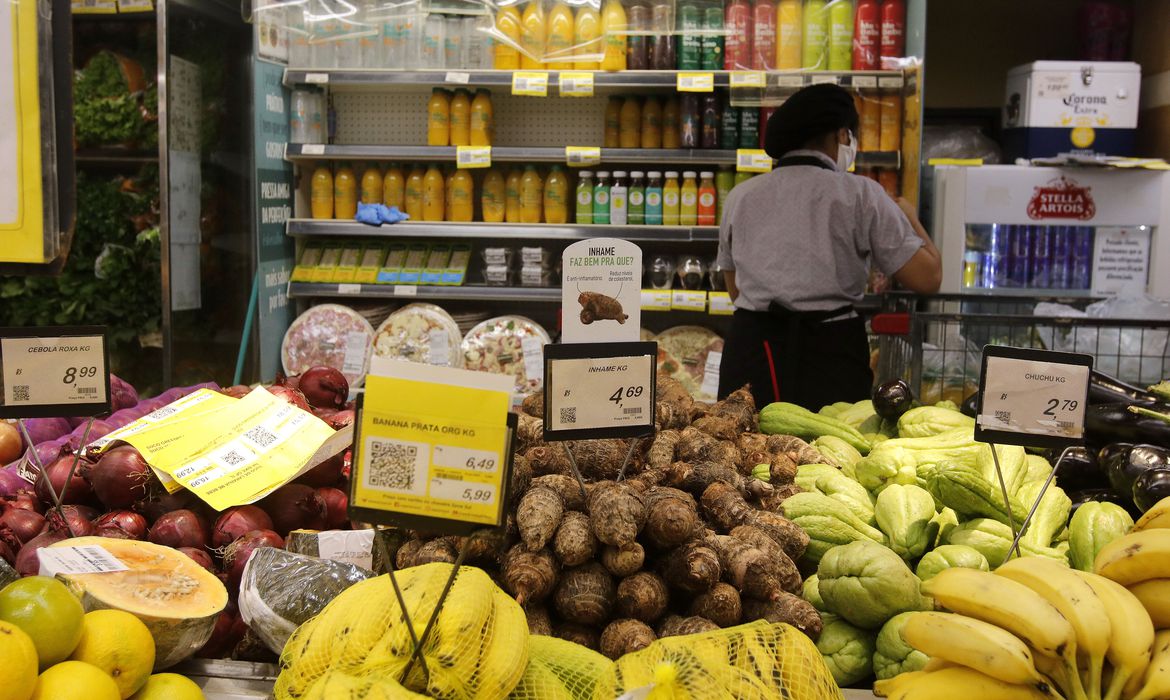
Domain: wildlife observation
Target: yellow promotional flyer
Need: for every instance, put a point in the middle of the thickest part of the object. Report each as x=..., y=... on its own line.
x=433, y=443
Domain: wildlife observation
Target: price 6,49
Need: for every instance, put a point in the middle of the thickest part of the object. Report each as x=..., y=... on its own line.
x=1056, y=404
x=622, y=392
x=478, y=495
x=74, y=373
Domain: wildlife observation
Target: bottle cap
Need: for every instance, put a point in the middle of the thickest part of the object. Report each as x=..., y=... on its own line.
x=689, y=173
x=672, y=173
x=586, y=173
x=602, y=173
x=706, y=174
x=619, y=173
x=655, y=173
x=637, y=173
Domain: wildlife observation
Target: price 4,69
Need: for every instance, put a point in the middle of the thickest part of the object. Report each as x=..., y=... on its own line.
x=72, y=374
x=623, y=392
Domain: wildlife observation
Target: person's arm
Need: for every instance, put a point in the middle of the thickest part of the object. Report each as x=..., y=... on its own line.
x=922, y=273
x=729, y=281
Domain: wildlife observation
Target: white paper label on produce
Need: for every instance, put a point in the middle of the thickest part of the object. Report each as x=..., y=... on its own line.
x=601, y=392
x=601, y=291
x=356, y=346
x=438, y=347
x=710, y=386
x=88, y=559
x=1034, y=397
x=51, y=371
x=350, y=546
x=533, y=359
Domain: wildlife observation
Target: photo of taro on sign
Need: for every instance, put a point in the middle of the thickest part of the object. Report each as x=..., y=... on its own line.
x=602, y=291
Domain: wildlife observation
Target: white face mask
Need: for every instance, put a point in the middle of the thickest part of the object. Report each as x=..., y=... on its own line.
x=847, y=153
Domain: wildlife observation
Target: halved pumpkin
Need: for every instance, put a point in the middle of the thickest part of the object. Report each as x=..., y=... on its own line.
x=175, y=597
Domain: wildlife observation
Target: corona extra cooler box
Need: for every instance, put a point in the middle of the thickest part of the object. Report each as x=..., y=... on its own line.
x=1055, y=107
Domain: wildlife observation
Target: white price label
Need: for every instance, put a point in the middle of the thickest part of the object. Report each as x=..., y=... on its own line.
x=695, y=82
x=656, y=300
x=601, y=392
x=864, y=81
x=891, y=81
x=462, y=491
x=576, y=84
x=688, y=300
x=349, y=289
x=720, y=304
x=473, y=157
x=88, y=559
x=53, y=371
x=530, y=83
x=749, y=79
x=350, y=546
x=790, y=81
x=710, y=385
x=312, y=149
x=753, y=160
x=1034, y=397
x=578, y=156
x=458, y=77
x=357, y=344
x=405, y=290
x=824, y=79
x=533, y=358
x=317, y=78
x=438, y=347
x=480, y=461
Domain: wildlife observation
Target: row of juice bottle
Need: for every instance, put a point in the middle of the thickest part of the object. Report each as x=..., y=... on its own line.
x=647, y=198
x=458, y=119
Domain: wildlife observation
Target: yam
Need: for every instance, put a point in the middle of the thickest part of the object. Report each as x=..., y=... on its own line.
x=442, y=549
x=696, y=446
x=538, y=515
x=549, y=459
x=539, y=621
x=749, y=443
x=529, y=432
x=600, y=460
x=533, y=405
x=786, y=533
x=669, y=416
x=671, y=517
x=789, y=609
x=584, y=635
x=642, y=596
x=586, y=595
x=773, y=501
x=740, y=408
x=670, y=390
x=565, y=486
x=761, y=539
x=574, y=543
x=781, y=469
x=623, y=561
x=694, y=567
x=720, y=605
x=717, y=427
x=404, y=558
x=696, y=477
x=676, y=626
x=617, y=513
x=624, y=636
x=661, y=452
x=724, y=507
x=529, y=576
x=521, y=479
x=751, y=570
x=796, y=449
x=596, y=306
x=646, y=480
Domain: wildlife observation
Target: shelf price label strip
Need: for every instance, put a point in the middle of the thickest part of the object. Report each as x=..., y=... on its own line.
x=720, y=304
x=688, y=300
x=473, y=157
x=575, y=84
x=656, y=300
x=753, y=160
x=695, y=82
x=530, y=83
x=580, y=156
x=749, y=79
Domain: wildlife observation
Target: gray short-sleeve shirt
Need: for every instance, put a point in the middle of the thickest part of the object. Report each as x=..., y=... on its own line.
x=804, y=236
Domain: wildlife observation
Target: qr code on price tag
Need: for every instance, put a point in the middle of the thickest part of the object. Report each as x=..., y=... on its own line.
x=394, y=465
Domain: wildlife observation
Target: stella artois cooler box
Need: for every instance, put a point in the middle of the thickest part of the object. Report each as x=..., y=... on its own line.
x=1084, y=107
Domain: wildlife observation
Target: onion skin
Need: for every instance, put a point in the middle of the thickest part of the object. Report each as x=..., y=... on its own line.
x=120, y=477
x=290, y=395
x=78, y=490
x=295, y=507
x=236, y=554
x=336, y=505
x=200, y=557
x=132, y=524
x=25, y=499
x=326, y=473
x=27, y=563
x=22, y=524
x=45, y=429
x=155, y=508
x=122, y=394
x=77, y=521
x=341, y=419
x=6, y=553
x=238, y=391
x=324, y=387
x=236, y=522
x=179, y=528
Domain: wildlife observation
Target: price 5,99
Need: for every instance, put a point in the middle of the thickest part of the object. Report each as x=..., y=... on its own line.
x=481, y=495
x=74, y=373
x=622, y=392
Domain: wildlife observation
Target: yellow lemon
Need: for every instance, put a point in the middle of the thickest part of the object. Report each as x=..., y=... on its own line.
x=169, y=686
x=18, y=672
x=119, y=644
x=47, y=612
x=75, y=680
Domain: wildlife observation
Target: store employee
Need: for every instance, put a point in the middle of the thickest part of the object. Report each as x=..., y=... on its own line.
x=795, y=246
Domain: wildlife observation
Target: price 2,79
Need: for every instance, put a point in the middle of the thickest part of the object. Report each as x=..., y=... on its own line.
x=623, y=392
x=477, y=495
x=1056, y=404
x=72, y=374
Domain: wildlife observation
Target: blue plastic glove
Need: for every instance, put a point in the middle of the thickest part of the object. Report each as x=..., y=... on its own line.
x=369, y=214
x=391, y=215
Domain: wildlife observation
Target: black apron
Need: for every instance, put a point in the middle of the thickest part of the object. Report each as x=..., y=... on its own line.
x=810, y=358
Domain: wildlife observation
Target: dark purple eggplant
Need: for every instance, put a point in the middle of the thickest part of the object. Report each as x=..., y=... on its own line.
x=1106, y=453
x=970, y=407
x=1126, y=466
x=1106, y=389
x=1152, y=486
x=1080, y=498
x=1106, y=423
x=892, y=399
x=1077, y=469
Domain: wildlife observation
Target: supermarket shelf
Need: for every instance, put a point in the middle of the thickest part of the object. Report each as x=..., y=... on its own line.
x=525, y=154
x=114, y=156
x=408, y=292
x=384, y=78
x=477, y=230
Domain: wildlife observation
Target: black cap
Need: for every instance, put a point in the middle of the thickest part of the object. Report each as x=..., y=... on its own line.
x=809, y=113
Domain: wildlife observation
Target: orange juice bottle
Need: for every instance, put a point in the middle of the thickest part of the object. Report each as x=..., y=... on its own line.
x=614, y=24
x=688, y=200
x=482, y=118
x=613, y=123
x=321, y=193
x=558, y=41
x=433, y=195
x=531, y=196
x=394, y=187
x=507, y=40
x=492, y=197
x=439, y=118
x=556, y=197
x=707, y=199
x=587, y=36
x=345, y=192
x=652, y=123
x=869, y=136
x=460, y=196
x=512, y=197
x=413, y=194
x=670, y=123
x=630, y=123
x=532, y=33
x=371, y=185
x=461, y=118
x=891, y=122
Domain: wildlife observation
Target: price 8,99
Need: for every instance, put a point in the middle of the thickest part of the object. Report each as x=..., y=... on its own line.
x=72, y=374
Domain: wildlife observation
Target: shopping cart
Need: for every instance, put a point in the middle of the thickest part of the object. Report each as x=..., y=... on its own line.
x=935, y=343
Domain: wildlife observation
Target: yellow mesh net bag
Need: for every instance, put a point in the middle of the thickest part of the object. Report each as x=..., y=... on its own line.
x=477, y=648
x=560, y=670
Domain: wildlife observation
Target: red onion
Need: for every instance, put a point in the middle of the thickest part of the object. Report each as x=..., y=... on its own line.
x=27, y=563
x=120, y=477
x=23, y=524
x=112, y=532
x=228, y=631
x=289, y=395
x=45, y=429
x=129, y=522
x=238, y=391
x=325, y=387
x=97, y=430
x=326, y=473
x=236, y=554
x=295, y=507
x=156, y=507
x=179, y=528
x=25, y=499
x=56, y=473
x=336, y=507
x=236, y=522
x=77, y=521
x=201, y=557
x=122, y=394
x=11, y=481
x=6, y=553
x=325, y=414
x=341, y=419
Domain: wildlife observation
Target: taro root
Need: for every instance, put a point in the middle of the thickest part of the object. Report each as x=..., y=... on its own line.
x=624, y=636
x=548, y=459
x=643, y=596
x=671, y=517
x=675, y=626
x=720, y=605
x=538, y=515
x=584, y=635
x=694, y=567
x=661, y=452
x=407, y=554
x=538, y=620
x=529, y=576
x=565, y=486
x=442, y=549
x=586, y=595
x=788, y=608
x=623, y=561
x=617, y=513
x=574, y=542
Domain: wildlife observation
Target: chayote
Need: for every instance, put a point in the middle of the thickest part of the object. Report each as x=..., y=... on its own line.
x=847, y=650
x=1051, y=515
x=947, y=520
x=892, y=655
x=1036, y=467
x=906, y=515
x=1094, y=525
x=807, y=475
x=950, y=556
x=993, y=540
x=828, y=522
x=867, y=583
x=811, y=592
x=1013, y=464
x=850, y=493
x=838, y=452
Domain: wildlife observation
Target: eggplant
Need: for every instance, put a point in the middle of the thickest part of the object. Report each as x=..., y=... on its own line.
x=892, y=399
x=1152, y=486
x=1077, y=468
x=1106, y=389
x=1107, y=423
x=1080, y=498
x=1124, y=467
x=1106, y=453
x=970, y=407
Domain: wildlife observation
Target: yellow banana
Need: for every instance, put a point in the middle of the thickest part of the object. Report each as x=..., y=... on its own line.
x=1155, y=518
x=1156, y=683
x=540, y=682
x=962, y=682
x=976, y=644
x=937, y=665
x=1139, y=556
x=1133, y=634
x=1155, y=596
x=467, y=607
x=890, y=686
x=1076, y=600
x=499, y=670
x=757, y=658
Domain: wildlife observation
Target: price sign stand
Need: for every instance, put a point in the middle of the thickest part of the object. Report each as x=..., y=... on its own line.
x=1033, y=398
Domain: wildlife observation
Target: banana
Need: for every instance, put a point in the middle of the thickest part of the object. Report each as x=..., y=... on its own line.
x=1133, y=634
x=890, y=686
x=1156, y=683
x=961, y=682
x=1139, y=556
x=975, y=644
x=1155, y=596
x=467, y=608
x=756, y=657
x=498, y=671
x=1076, y=600
x=1155, y=518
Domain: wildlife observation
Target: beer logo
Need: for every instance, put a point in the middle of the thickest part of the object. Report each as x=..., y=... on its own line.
x=1062, y=198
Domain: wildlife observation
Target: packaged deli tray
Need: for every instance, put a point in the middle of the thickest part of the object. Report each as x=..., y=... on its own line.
x=691, y=354
x=508, y=345
x=420, y=333
x=331, y=335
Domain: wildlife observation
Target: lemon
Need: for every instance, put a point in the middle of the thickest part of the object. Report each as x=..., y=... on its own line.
x=47, y=612
x=119, y=644
x=18, y=672
x=75, y=680
x=169, y=686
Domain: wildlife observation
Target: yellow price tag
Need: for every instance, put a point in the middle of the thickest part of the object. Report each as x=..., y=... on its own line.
x=94, y=7
x=688, y=300
x=656, y=300
x=576, y=84
x=578, y=156
x=695, y=82
x=473, y=156
x=752, y=160
x=749, y=79
x=720, y=304
x=955, y=161
x=433, y=443
x=530, y=83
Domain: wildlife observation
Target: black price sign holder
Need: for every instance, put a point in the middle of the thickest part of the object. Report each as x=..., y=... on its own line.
x=1031, y=398
x=49, y=372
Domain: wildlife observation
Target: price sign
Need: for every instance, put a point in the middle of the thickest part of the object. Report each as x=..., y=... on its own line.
x=530, y=83
x=720, y=304
x=824, y=79
x=54, y=371
x=473, y=156
x=688, y=300
x=576, y=84
x=656, y=299
x=891, y=81
x=458, y=77
x=790, y=81
x=1031, y=397
x=579, y=156
x=864, y=81
x=753, y=160
x=695, y=82
x=749, y=79
x=317, y=78
x=599, y=390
